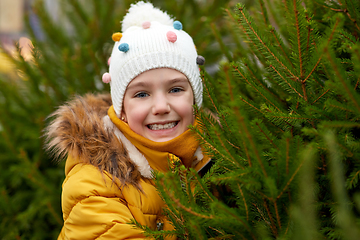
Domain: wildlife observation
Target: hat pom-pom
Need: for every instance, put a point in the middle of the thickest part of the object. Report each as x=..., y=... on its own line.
x=106, y=78
x=142, y=12
x=200, y=60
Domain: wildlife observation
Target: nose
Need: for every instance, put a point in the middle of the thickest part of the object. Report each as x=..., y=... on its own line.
x=160, y=104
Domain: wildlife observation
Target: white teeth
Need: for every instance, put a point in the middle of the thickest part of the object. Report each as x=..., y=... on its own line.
x=162, y=126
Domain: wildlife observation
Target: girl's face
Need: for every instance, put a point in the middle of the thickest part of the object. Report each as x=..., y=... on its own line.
x=158, y=104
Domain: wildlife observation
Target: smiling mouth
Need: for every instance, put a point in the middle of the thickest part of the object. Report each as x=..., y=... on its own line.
x=162, y=126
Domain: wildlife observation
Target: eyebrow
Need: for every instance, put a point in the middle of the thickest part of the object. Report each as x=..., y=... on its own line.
x=179, y=79
x=138, y=84
x=145, y=84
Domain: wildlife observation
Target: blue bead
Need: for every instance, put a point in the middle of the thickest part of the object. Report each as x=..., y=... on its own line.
x=124, y=47
x=177, y=25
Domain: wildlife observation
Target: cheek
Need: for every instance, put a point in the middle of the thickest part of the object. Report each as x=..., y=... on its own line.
x=186, y=111
x=135, y=116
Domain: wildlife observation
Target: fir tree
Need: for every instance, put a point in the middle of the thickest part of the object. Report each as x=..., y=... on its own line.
x=283, y=132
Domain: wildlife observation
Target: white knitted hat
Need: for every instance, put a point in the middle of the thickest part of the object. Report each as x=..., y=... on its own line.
x=151, y=39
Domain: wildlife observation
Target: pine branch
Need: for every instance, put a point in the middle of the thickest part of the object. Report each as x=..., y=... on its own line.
x=284, y=79
x=298, y=36
x=244, y=200
x=349, y=92
x=325, y=47
x=178, y=203
x=287, y=155
x=357, y=83
x=280, y=44
x=291, y=179
x=352, y=182
x=250, y=139
x=221, y=42
x=262, y=43
x=273, y=226
x=229, y=212
x=256, y=89
x=267, y=137
x=213, y=102
x=277, y=214
x=264, y=12
x=321, y=96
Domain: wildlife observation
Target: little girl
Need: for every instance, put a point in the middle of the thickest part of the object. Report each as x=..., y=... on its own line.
x=114, y=143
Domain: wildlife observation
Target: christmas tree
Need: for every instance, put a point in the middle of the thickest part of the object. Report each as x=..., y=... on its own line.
x=283, y=130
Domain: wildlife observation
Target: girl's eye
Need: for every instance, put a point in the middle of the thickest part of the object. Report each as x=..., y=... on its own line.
x=175, y=90
x=141, y=95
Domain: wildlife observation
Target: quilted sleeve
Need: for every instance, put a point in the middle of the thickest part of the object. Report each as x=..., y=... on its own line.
x=93, y=207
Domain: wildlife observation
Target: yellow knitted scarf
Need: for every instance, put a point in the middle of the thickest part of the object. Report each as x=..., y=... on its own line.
x=159, y=153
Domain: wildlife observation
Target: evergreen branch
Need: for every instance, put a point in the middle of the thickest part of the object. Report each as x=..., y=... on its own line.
x=291, y=179
x=303, y=86
x=242, y=99
x=179, y=204
x=293, y=118
x=347, y=37
x=223, y=146
x=223, y=236
x=259, y=82
x=213, y=103
x=267, y=137
x=247, y=154
x=298, y=35
x=205, y=190
x=281, y=47
x=272, y=225
x=221, y=42
x=263, y=43
x=357, y=83
x=244, y=200
x=346, y=11
x=237, y=69
x=342, y=80
x=230, y=177
x=250, y=139
x=333, y=124
x=308, y=35
x=207, y=90
x=277, y=214
x=328, y=42
x=239, y=219
x=287, y=155
x=285, y=5
x=226, y=71
x=286, y=81
x=336, y=105
x=264, y=218
x=264, y=12
x=355, y=176
x=321, y=96
x=205, y=142
x=247, y=35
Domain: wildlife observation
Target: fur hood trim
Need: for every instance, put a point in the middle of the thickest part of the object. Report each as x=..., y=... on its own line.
x=78, y=130
x=135, y=155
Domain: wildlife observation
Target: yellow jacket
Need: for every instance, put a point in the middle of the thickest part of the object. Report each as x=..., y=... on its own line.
x=107, y=183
